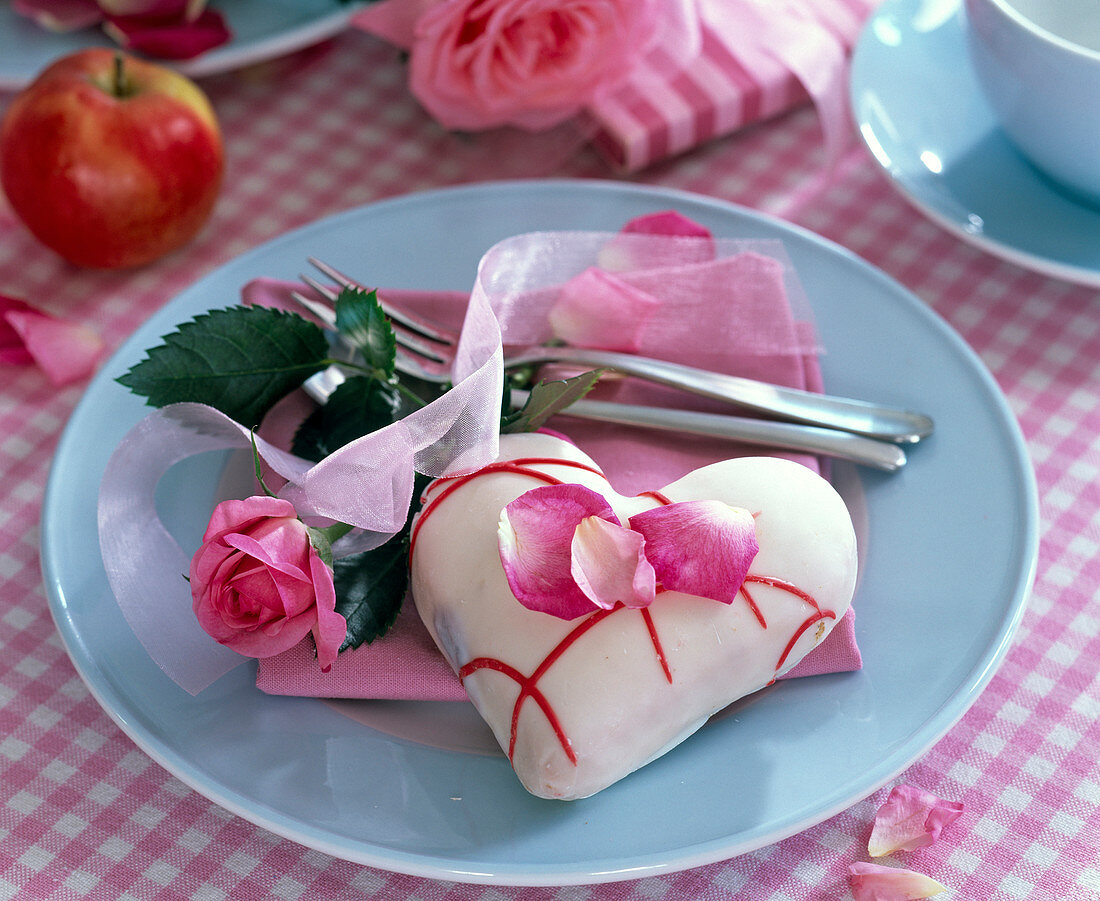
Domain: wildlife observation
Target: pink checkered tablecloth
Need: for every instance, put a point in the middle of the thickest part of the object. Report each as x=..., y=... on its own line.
x=85, y=813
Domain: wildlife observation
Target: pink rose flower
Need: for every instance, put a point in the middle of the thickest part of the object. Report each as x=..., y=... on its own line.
x=478, y=64
x=259, y=586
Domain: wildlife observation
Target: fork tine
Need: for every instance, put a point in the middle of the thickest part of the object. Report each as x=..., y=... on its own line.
x=436, y=352
x=418, y=324
x=326, y=314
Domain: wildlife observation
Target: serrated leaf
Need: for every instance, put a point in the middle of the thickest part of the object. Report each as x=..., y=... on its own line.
x=360, y=320
x=370, y=587
x=239, y=360
x=547, y=399
x=359, y=405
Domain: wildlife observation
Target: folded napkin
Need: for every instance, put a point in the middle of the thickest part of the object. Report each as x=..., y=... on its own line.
x=734, y=308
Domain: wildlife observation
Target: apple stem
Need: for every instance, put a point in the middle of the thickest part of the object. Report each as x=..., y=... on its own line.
x=121, y=86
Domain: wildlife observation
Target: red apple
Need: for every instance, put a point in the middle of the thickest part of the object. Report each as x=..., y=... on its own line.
x=109, y=160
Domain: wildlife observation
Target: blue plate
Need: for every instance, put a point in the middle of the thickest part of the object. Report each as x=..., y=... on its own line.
x=262, y=29
x=925, y=120
x=948, y=549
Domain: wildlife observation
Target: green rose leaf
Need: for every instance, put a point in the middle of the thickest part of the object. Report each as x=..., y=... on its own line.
x=547, y=399
x=370, y=587
x=239, y=360
x=360, y=320
x=359, y=406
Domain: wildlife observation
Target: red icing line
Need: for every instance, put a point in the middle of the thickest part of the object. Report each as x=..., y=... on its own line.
x=527, y=689
x=790, y=588
x=656, y=639
x=752, y=605
x=520, y=466
x=800, y=631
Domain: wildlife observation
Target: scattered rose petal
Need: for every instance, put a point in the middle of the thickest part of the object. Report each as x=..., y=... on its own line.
x=910, y=818
x=168, y=29
x=60, y=15
x=535, y=536
x=609, y=565
x=703, y=548
x=623, y=254
x=597, y=309
x=65, y=351
x=871, y=882
x=180, y=10
x=169, y=39
x=666, y=222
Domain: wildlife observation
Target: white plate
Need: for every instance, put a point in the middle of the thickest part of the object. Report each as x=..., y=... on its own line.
x=262, y=29
x=925, y=120
x=948, y=563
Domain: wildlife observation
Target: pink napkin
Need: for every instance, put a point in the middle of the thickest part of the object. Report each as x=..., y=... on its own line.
x=746, y=326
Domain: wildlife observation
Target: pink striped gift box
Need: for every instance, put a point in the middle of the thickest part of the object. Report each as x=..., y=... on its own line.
x=737, y=79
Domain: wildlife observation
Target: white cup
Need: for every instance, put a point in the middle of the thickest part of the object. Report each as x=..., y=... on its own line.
x=1038, y=62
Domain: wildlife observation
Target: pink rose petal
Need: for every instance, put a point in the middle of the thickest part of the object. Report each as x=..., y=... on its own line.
x=703, y=548
x=169, y=38
x=65, y=351
x=331, y=627
x=910, y=818
x=666, y=222
x=871, y=882
x=180, y=10
x=535, y=536
x=60, y=15
x=596, y=309
x=625, y=255
x=609, y=565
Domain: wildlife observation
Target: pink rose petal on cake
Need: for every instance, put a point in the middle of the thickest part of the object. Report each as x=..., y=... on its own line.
x=910, y=818
x=609, y=565
x=596, y=309
x=535, y=537
x=65, y=351
x=871, y=882
x=703, y=548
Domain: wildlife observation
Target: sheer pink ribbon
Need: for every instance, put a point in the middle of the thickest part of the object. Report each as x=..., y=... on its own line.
x=791, y=32
x=368, y=483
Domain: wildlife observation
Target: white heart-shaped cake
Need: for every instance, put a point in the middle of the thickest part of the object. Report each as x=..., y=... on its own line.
x=579, y=703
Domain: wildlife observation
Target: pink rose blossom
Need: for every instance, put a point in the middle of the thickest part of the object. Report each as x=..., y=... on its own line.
x=258, y=585
x=478, y=64
x=168, y=29
x=871, y=882
x=566, y=553
x=66, y=351
x=910, y=818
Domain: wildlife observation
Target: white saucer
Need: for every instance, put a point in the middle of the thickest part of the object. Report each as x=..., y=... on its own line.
x=261, y=29
x=922, y=115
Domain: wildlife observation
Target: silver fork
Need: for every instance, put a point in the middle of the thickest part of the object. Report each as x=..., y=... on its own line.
x=426, y=351
x=859, y=449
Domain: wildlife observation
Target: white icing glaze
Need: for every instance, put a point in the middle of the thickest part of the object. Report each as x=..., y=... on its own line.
x=608, y=690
